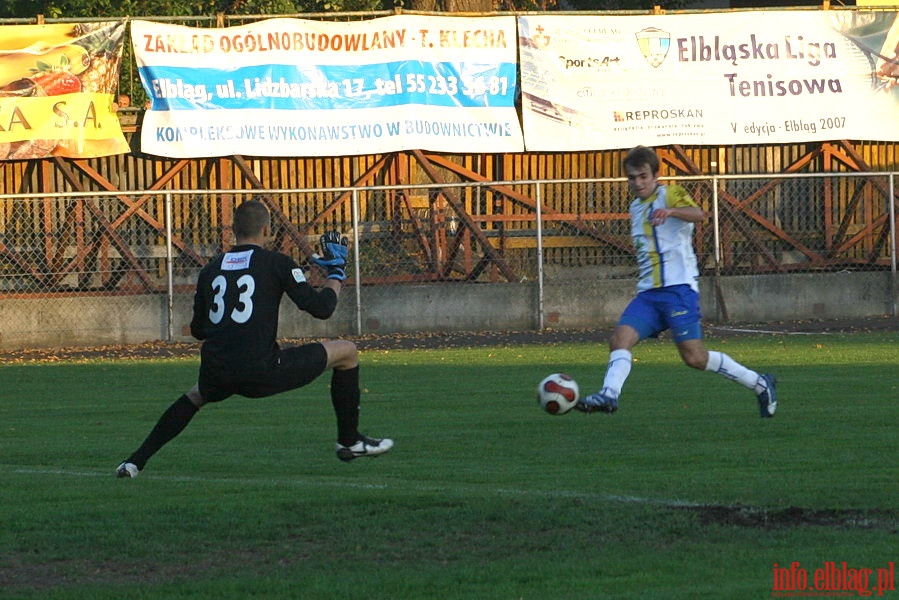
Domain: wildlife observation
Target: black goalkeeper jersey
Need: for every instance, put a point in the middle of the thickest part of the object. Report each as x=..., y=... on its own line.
x=237, y=300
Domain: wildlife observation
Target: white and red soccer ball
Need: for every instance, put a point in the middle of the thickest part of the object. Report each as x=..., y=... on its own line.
x=557, y=394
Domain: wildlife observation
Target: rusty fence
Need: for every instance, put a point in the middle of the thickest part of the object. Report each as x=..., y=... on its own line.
x=151, y=244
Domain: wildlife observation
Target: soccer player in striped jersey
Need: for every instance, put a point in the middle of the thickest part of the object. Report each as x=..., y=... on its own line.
x=662, y=222
x=235, y=313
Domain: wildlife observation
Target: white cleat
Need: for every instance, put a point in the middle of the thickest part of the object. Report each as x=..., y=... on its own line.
x=366, y=446
x=127, y=469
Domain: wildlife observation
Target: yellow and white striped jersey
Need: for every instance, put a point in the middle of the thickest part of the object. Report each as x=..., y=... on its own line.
x=665, y=254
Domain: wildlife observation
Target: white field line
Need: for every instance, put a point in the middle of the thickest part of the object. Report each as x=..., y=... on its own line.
x=416, y=487
x=738, y=330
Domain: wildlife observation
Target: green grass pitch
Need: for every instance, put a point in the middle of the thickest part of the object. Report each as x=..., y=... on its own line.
x=684, y=493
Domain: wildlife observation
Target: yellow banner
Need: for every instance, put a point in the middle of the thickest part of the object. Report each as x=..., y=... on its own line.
x=57, y=85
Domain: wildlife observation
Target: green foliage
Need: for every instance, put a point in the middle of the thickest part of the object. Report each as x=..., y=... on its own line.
x=591, y=5
x=53, y=9
x=348, y=5
x=625, y=4
x=684, y=493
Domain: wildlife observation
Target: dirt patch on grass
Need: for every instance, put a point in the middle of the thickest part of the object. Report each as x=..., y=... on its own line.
x=794, y=516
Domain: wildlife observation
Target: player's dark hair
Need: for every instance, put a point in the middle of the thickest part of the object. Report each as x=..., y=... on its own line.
x=250, y=218
x=641, y=155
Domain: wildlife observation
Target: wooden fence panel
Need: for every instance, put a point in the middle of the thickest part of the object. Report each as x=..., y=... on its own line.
x=816, y=220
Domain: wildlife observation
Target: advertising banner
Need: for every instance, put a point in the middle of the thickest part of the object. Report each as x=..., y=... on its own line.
x=293, y=87
x=756, y=77
x=57, y=84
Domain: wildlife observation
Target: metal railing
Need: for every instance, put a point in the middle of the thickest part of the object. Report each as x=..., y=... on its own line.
x=151, y=243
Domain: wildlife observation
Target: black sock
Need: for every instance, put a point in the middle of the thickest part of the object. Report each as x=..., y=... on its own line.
x=170, y=424
x=345, y=399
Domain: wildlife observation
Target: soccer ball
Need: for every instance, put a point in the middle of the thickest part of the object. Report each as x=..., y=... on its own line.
x=557, y=394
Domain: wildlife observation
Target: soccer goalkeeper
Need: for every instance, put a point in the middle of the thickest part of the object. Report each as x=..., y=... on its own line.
x=235, y=313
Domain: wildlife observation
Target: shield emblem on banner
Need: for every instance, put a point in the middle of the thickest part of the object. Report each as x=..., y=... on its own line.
x=540, y=39
x=654, y=45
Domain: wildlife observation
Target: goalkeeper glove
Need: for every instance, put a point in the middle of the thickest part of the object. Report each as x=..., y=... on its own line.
x=334, y=252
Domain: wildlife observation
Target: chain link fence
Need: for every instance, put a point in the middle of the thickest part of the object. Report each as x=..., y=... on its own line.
x=75, y=266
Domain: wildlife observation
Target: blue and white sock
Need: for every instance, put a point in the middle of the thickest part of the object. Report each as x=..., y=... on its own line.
x=723, y=365
x=620, y=362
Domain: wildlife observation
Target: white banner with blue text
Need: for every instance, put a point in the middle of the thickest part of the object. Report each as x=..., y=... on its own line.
x=753, y=77
x=294, y=87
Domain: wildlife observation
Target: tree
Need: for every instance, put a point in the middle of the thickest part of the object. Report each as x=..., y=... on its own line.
x=541, y=5
x=53, y=9
x=449, y=5
x=626, y=4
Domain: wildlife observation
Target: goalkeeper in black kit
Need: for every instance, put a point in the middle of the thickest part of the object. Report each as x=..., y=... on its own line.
x=235, y=313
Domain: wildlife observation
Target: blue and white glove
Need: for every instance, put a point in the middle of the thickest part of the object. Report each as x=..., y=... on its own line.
x=334, y=251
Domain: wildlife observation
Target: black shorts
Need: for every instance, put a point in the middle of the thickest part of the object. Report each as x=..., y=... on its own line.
x=289, y=369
